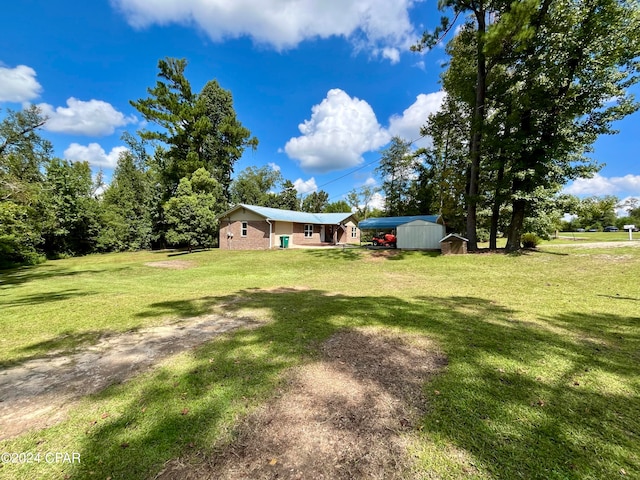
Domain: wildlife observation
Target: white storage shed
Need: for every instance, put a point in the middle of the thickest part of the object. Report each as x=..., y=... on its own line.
x=420, y=235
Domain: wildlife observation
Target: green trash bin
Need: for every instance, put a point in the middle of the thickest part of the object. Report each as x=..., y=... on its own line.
x=285, y=241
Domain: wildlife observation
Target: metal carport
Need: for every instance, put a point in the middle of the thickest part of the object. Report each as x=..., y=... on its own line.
x=417, y=232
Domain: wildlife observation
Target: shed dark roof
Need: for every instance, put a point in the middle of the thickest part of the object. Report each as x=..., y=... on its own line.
x=454, y=235
x=381, y=223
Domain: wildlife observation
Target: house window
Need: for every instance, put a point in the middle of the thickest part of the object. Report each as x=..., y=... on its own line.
x=354, y=232
x=244, y=229
x=308, y=231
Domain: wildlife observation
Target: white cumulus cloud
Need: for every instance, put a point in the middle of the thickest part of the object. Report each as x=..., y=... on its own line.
x=94, y=154
x=391, y=54
x=305, y=186
x=381, y=26
x=92, y=118
x=371, y=182
x=599, y=185
x=623, y=207
x=421, y=65
x=18, y=84
x=407, y=126
x=377, y=201
x=340, y=130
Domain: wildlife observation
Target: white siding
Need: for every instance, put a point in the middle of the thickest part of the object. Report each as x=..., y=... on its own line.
x=279, y=229
x=420, y=235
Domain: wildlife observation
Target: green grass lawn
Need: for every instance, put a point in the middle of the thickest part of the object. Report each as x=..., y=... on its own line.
x=577, y=238
x=542, y=381
x=571, y=237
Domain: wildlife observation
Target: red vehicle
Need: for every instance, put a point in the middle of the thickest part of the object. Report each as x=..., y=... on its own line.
x=386, y=240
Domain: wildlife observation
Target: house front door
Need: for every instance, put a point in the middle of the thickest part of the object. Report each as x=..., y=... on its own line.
x=322, y=234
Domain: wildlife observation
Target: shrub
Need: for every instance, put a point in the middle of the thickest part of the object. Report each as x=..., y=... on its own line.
x=482, y=235
x=19, y=236
x=530, y=240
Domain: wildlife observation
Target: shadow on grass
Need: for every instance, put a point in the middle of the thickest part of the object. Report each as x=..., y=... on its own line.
x=349, y=253
x=49, y=270
x=394, y=255
x=382, y=253
x=550, y=252
x=515, y=253
x=63, y=344
x=618, y=297
x=187, y=252
x=40, y=298
x=180, y=308
x=516, y=397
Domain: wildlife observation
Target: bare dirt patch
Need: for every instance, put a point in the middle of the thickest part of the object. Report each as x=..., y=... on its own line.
x=39, y=392
x=382, y=254
x=172, y=264
x=352, y=414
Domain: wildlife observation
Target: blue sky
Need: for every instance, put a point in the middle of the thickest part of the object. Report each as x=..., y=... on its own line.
x=323, y=84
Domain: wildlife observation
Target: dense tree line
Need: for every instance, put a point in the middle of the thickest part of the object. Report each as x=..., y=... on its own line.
x=597, y=213
x=530, y=86
x=166, y=190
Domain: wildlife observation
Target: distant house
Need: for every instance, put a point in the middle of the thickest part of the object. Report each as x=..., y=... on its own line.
x=418, y=232
x=250, y=227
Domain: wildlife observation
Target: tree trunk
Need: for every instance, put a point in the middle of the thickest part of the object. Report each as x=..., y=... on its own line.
x=497, y=203
x=516, y=226
x=477, y=124
x=500, y=186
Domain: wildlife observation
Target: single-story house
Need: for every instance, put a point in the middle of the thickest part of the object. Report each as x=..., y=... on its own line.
x=250, y=227
x=417, y=232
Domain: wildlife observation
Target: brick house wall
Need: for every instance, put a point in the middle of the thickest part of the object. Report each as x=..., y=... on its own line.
x=257, y=232
x=257, y=237
x=300, y=239
x=344, y=235
x=351, y=236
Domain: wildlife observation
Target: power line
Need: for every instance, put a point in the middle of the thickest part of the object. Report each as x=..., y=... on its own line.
x=349, y=173
x=360, y=168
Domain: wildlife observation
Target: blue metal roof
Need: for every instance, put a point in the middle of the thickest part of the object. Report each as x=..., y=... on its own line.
x=383, y=223
x=292, y=216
